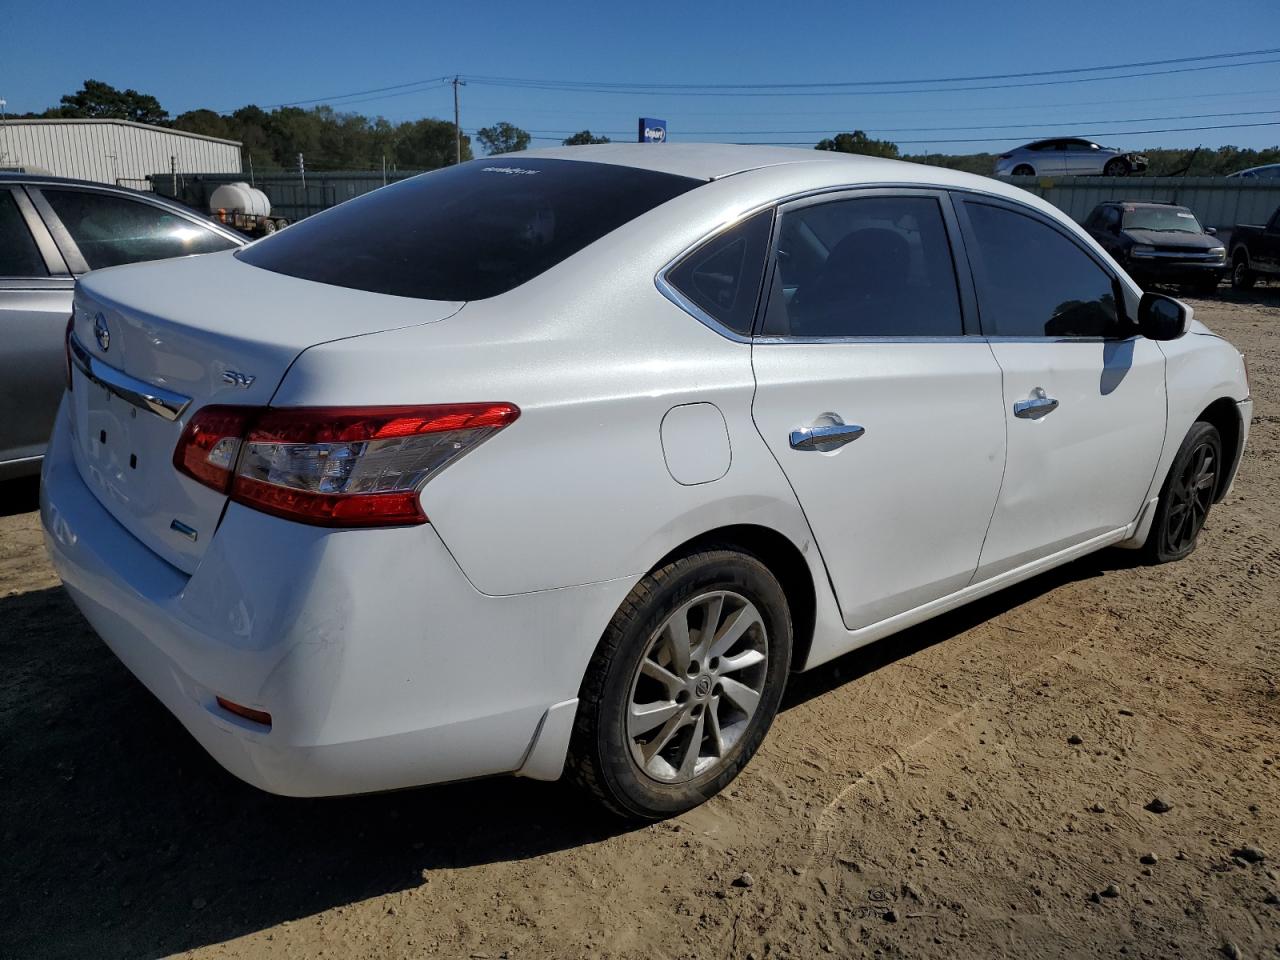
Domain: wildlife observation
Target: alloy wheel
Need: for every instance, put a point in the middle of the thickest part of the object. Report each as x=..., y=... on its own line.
x=697, y=687
x=1190, y=498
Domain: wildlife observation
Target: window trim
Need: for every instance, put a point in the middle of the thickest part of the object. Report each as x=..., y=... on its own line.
x=669, y=290
x=1119, y=289
x=54, y=266
x=965, y=293
x=66, y=243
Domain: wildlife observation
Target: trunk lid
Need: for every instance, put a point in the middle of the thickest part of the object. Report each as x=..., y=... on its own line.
x=188, y=333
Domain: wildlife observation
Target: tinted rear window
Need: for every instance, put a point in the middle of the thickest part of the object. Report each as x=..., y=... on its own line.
x=466, y=232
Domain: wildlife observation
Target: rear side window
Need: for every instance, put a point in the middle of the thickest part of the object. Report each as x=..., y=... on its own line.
x=111, y=230
x=722, y=277
x=1034, y=282
x=466, y=232
x=19, y=255
x=867, y=267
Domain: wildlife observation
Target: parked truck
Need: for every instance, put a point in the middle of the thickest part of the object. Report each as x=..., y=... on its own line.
x=246, y=208
x=1255, y=252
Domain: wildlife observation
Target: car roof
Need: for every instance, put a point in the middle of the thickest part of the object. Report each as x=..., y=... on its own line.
x=701, y=161
x=10, y=176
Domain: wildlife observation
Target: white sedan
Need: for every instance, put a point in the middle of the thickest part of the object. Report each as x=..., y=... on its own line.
x=565, y=460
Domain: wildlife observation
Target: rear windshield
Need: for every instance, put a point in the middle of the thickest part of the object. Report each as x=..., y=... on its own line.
x=466, y=232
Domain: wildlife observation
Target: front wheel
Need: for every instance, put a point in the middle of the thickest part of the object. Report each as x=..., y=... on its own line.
x=1023, y=170
x=1242, y=278
x=1187, y=495
x=1116, y=168
x=684, y=685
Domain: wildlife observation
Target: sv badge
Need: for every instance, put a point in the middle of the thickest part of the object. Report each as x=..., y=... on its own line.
x=237, y=379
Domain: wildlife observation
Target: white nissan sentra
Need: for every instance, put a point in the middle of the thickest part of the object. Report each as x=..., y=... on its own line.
x=563, y=461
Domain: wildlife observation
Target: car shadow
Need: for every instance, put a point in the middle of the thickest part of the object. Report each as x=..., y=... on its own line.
x=19, y=496
x=123, y=838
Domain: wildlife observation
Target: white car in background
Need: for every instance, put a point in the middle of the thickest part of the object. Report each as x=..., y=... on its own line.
x=575, y=455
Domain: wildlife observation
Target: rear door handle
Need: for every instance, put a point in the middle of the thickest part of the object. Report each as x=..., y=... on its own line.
x=1040, y=404
x=825, y=437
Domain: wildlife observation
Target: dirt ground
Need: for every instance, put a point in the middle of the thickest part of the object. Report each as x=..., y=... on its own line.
x=976, y=787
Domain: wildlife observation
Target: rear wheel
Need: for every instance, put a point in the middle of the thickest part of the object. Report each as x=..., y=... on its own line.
x=684, y=685
x=1242, y=278
x=1116, y=168
x=1187, y=495
x=268, y=227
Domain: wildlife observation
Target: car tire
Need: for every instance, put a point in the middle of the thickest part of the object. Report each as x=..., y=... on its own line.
x=1023, y=170
x=1242, y=278
x=639, y=712
x=1187, y=495
x=268, y=227
x=1116, y=167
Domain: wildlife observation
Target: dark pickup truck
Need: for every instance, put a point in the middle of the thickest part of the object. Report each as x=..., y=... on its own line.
x=1255, y=252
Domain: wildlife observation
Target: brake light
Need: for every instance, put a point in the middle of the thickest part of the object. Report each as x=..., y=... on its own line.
x=333, y=466
x=66, y=349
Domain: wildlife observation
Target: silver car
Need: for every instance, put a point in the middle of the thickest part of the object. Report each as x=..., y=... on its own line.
x=1068, y=157
x=52, y=230
x=1268, y=171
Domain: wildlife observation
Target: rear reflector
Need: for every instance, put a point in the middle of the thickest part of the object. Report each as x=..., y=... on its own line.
x=248, y=713
x=333, y=466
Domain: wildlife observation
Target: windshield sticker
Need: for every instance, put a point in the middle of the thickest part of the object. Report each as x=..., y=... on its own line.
x=1188, y=216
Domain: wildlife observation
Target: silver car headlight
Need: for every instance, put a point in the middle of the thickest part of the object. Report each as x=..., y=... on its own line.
x=1218, y=253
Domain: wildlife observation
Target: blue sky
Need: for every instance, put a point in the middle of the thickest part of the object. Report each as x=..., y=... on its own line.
x=228, y=54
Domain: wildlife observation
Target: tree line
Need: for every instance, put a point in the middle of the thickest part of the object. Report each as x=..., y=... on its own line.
x=331, y=139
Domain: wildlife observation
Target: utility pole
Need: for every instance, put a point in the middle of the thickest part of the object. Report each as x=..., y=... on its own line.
x=457, y=124
x=4, y=128
x=173, y=173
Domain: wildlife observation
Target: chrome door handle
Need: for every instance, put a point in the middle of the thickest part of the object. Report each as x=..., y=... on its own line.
x=1038, y=406
x=825, y=437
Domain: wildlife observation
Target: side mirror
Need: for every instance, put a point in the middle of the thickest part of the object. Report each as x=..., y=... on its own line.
x=1162, y=318
x=1211, y=231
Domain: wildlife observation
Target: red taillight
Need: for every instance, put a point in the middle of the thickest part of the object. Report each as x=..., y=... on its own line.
x=333, y=466
x=66, y=349
x=210, y=445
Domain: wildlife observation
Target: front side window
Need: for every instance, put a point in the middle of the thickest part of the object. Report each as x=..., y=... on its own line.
x=19, y=255
x=866, y=267
x=723, y=275
x=1033, y=281
x=466, y=232
x=110, y=230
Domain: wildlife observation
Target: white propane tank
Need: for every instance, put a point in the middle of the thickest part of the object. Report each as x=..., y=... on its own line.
x=240, y=198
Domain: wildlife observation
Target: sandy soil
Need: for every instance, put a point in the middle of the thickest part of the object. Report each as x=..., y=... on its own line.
x=926, y=797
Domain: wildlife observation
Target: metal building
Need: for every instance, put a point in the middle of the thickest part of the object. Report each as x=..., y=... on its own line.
x=112, y=151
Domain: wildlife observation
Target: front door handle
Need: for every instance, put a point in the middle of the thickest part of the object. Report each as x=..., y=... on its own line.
x=1038, y=406
x=825, y=437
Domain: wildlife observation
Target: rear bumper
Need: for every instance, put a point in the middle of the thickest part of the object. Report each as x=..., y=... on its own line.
x=381, y=666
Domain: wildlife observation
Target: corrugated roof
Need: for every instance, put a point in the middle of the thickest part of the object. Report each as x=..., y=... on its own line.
x=123, y=123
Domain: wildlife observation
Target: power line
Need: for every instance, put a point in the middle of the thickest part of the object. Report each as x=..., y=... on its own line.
x=709, y=92
x=885, y=83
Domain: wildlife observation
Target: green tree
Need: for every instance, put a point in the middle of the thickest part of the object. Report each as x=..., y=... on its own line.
x=427, y=144
x=502, y=138
x=101, y=101
x=584, y=137
x=204, y=122
x=859, y=142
